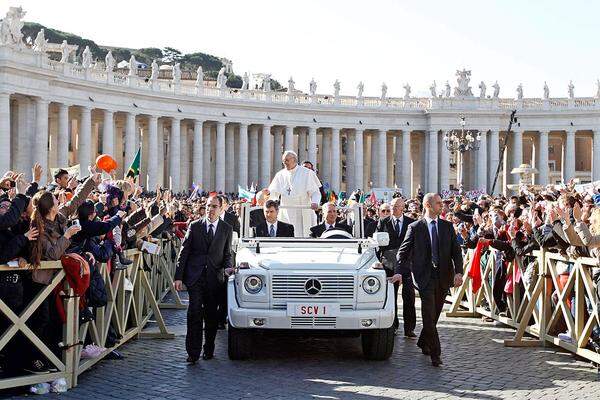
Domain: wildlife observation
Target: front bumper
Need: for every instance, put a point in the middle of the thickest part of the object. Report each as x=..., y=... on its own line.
x=278, y=319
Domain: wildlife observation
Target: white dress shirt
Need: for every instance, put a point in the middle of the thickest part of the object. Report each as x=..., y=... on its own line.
x=274, y=225
x=214, y=224
x=399, y=221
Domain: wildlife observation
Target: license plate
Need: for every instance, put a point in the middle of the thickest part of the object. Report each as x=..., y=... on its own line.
x=313, y=310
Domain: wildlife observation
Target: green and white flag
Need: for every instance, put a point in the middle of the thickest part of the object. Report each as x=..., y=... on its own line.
x=134, y=168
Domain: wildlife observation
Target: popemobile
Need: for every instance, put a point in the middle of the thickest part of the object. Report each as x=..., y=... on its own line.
x=334, y=284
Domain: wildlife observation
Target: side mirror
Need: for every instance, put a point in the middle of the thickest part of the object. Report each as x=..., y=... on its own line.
x=381, y=238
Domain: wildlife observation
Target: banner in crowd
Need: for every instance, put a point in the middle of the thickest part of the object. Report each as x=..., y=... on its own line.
x=73, y=171
x=134, y=168
x=385, y=194
x=587, y=187
x=471, y=194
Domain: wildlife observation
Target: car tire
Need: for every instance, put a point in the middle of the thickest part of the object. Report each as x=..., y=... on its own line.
x=239, y=343
x=378, y=344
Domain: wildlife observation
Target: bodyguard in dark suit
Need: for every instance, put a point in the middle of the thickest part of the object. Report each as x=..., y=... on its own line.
x=330, y=222
x=257, y=215
x=395, y=223
x=232, y=220
x=272, y=227
x=436, y=265
x=204, y=261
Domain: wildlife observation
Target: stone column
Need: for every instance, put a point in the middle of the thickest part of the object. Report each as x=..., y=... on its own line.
x=382, y=157
x=184, y=158
x=569, y=156
x=325, y=167
x=130, y=149
x=542, y=167
x=433, y=161
x=595, y=155
x=40, y=153
x=62, y=141
x=482, y=163
x=335, y=159
x=208, y=166
x=406, y=165
x=108, y=133
x=312, y=145
x=517, y=153
x=174, y=155
x=444, y=167
x=153, y=155
x=288, y=138
x=254, y=156
x=5, y=131
x=243, y=156
x=302, y=154
x=85, y=141
x=220, y=161
x=351, y=184
x=494, y=160
x=230, y=154
x=359, y=157
x=197, y=153
x=277, y=152
x=265, y=158
x=398, y=161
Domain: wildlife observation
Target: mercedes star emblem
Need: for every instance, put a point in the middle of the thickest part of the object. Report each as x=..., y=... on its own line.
x=312, y=286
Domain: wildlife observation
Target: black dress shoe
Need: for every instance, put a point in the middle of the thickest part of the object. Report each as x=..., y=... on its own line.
x=410, y=335
x=436, y=362
x=192, y=360
x=207, y=356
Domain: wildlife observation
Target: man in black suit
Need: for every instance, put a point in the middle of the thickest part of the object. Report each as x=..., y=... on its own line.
x=396, y=225
x=257, y=215
x=204, y=261
x=232, y=220
x=436, y=265
x=272, y=227
x=330, y=222
x=370, y=223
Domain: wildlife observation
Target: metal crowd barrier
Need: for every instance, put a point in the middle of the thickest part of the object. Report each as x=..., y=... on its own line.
x=541, y=306
x=127, y=313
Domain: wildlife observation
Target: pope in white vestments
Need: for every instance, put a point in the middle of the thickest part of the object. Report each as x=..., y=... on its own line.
x=296, y=185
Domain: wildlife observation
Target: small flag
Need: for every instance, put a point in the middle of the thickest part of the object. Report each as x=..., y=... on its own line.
x=362, y=198
x=245, y=194
x=373, y=198
x=194, y=194
x=332, y=197
x=134, y=168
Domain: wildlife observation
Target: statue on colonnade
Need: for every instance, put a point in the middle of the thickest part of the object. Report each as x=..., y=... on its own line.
x=447, y=89
x=462, y=79
x=64, y=52
x=433, y=89
x=520, y=91
x=10, y=28
x=154, y=71
x=86, y=58
x=177, y=73
x=40, y=43
x=291, y=85
x=361, y=88
x=200, y=77
x=221, y=79
x=407, y=90
x=109, y=61
x=496, y=90
x=384, y=89
x=571, y=90
x=133, y=66
x=267, y=83
x=482, y=89
x=313, y=87
x=336, y=88
x=546, y=91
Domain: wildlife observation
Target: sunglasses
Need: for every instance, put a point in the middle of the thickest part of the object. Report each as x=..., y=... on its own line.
x=386, y=211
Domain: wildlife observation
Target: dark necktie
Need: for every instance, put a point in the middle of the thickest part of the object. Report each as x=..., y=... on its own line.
x=398, y=227
x=435, y=248
x=211, y=233
x=272, y=231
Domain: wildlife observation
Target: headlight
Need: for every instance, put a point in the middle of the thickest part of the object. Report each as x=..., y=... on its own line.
x=371, y=284
x=253, y=284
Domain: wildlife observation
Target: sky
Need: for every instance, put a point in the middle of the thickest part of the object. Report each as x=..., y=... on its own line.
x=391, y=41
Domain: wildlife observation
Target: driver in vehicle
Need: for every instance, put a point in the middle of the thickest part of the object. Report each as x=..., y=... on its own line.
x=330, y=222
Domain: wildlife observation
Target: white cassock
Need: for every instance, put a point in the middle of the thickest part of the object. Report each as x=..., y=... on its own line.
x=297, y=187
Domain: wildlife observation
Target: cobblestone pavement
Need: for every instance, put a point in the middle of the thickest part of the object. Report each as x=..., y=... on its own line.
x=476, y=366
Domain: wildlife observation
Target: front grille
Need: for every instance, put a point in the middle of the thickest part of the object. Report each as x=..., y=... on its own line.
x=313, y=322
x=291, y=287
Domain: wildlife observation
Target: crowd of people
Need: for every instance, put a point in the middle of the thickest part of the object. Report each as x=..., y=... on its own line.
x=94, y=219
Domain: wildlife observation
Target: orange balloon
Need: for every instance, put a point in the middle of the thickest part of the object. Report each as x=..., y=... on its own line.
x=106, y=163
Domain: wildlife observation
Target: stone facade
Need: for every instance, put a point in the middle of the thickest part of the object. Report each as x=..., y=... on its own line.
x=61, y=114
